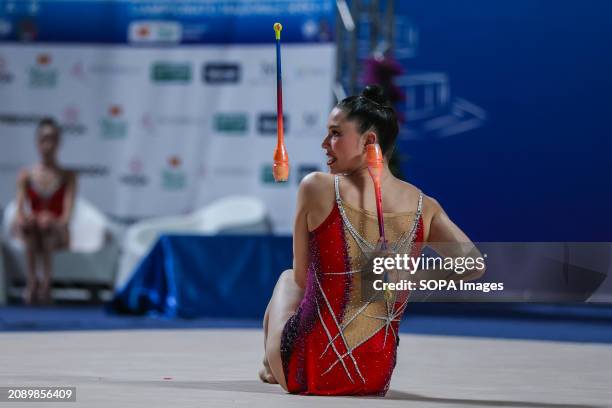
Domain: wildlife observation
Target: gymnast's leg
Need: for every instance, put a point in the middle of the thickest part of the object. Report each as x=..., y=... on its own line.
x=285, y=299
x=265, y=374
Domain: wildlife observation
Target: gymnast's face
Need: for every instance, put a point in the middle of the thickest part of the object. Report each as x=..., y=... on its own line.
x=344, y=145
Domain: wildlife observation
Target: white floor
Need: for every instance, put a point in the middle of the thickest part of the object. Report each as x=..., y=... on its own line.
x=218, y=368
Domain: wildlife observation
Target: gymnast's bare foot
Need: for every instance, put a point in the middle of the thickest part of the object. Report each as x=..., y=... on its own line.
x=265, y=374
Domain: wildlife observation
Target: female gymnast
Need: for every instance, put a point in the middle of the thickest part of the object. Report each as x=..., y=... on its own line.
x=45, y=197
x=323, y=334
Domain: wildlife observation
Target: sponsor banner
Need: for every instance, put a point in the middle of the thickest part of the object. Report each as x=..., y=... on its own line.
x=167, y=22
x=159, y=131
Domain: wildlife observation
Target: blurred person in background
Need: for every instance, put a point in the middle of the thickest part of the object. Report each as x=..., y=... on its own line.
x=45, y=199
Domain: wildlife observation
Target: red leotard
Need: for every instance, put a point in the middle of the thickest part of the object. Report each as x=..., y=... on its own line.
x=340, y=342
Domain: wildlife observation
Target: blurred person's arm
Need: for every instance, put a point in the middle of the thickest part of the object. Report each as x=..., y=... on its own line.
x=69, y=197
x=22, y=180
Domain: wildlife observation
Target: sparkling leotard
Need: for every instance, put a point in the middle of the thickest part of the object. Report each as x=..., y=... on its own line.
x=339, y=342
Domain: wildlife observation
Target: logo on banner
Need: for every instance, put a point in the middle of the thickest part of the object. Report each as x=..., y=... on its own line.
x=171, y=72
x=173, y=177
x=135, y=176
x=302, y=72
x=265, y=74
x=155, y=32
x=143, y=31
x=77, y=71
x=11, y=119
x=153, y=122
x=304, y=170
x=43, y=74
x=148, y=122
x=268, y=69
x=267, y=177
x=231, y=123
x=221, y=73
x=231, y=171
x=266, y=123
x=114, y=126
x=70, y=122
x=114, y=69
x=6, y=77
x=91, y=170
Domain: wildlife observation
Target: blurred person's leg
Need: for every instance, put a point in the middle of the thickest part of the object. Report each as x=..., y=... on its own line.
x=30, y=236
x=44, y=289
x=52, y=237
x=285, y=299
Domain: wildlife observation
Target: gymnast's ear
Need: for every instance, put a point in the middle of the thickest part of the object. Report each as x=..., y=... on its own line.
x=370, y=138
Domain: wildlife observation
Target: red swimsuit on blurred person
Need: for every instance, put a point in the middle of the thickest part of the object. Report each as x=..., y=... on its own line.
x=52, y=203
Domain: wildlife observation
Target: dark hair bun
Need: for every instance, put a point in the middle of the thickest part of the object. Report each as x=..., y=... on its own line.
x=377, y=94
x=372, y=110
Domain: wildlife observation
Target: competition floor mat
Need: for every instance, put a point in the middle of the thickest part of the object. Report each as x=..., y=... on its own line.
x=218, y=368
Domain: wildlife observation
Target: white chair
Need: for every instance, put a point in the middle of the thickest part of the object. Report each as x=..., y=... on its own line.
x=2, y=281
x=228, y=215
x=90, y=261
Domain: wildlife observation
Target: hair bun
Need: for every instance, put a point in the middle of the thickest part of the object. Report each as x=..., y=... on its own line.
x=377, y=94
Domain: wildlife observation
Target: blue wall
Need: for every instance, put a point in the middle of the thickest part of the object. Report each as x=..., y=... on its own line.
x=541, y=168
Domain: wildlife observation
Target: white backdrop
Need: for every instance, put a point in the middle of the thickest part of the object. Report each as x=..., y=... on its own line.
x=157, y=131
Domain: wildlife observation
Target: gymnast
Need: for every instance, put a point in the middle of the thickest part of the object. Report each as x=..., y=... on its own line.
x=45, y=198
x=321, y=335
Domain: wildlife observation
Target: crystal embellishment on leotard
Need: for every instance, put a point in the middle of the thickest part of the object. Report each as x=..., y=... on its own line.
x=368, y=250
x=343, y=340
x=331, y=342
x=345, y=324
x=366, y=246
x=392, y=315
x=339, y=328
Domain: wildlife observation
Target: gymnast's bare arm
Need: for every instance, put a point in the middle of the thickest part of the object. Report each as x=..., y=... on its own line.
x=447, y=239
x=314, y=203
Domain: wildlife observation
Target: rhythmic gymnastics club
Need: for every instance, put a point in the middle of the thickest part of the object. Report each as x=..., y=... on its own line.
x=280, y=169
x=374, y=158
